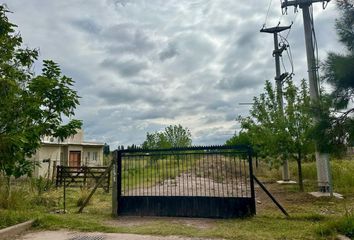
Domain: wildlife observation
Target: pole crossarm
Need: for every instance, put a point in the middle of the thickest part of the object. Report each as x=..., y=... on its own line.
x=276, y=29
x=300, y=3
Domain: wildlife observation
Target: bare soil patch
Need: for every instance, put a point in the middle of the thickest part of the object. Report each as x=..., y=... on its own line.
x=131, y=221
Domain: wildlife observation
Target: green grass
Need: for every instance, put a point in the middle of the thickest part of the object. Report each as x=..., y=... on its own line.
x=343, y=225
x=12, y=217
x=258, y=227
x=342, y=175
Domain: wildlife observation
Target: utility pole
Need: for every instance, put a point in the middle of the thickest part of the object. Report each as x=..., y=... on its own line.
x=279, y=78
x=322, y=159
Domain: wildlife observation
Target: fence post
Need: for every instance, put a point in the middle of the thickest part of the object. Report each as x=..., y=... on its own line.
x=108, y=181
x=58, y=177
x=64, y=194
x=85, y=175
x=114, y=185
x=53, y=171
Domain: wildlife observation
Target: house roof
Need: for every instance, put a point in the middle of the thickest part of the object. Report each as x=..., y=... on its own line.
x=88, y=144
x=76, y=139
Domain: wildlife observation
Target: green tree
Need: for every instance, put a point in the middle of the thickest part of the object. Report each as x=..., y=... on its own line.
x=338, y=68
x=299, y=123
x=155, y=140
x=106, y=150
x=336, y=126
x=266, y=126
x=31, y=106
x=242, y=138
x=280, y=135
x=177, y=136
x=173, y=136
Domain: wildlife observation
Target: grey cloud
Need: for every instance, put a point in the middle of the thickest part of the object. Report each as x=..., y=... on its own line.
x=127, y=94
x=127, y=38
x=211, y=136
x=240, y=82
x=231, y=116
x=169, y=52
x=211, y=119
x=121, y=2
x=195, y=50
x=126, y=68
x=158, y=112
x=218, y=104
x=247, y=40
x=140, y=65
x=87, y=25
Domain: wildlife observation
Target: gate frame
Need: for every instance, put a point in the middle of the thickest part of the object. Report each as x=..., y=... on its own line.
x=117, y=175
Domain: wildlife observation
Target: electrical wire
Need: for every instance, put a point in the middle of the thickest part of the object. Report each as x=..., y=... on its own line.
x=290, y=56
x=292, y=23
x=284, y=41
x=266, y=18
x=282, y=63
x=280, y=18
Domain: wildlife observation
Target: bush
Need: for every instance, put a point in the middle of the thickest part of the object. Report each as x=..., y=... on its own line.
x=48, y=199
x=26, y=193
x=40, y=185
x=16, y=199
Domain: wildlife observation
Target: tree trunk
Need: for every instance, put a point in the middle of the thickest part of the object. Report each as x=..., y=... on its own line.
x=299, y=169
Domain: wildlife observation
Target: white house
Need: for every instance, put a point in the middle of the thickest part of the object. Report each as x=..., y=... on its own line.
x=72, y=152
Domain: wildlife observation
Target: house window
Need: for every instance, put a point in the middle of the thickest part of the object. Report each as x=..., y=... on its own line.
x=94, y=156
x=88, y=156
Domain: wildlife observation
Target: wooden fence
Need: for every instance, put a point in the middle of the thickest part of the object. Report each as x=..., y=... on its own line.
x=81, y=176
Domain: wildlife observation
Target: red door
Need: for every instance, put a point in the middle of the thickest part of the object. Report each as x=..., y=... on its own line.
x=74, y=159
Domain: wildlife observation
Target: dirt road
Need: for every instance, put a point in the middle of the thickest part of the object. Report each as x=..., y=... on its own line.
x=66, y=235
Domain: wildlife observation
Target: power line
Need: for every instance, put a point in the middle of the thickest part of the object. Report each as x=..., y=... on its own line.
x=266, y=18
x=288, y=52
x=292, y=22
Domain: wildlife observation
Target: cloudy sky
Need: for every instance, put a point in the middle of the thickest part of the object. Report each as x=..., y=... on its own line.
x=140, y=65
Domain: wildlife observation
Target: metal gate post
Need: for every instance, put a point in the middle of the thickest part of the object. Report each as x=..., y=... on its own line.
x=119, y=178
x=114, y=185
x=253, y=195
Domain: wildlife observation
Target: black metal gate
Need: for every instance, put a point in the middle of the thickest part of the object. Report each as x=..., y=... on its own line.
x=214, y=182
